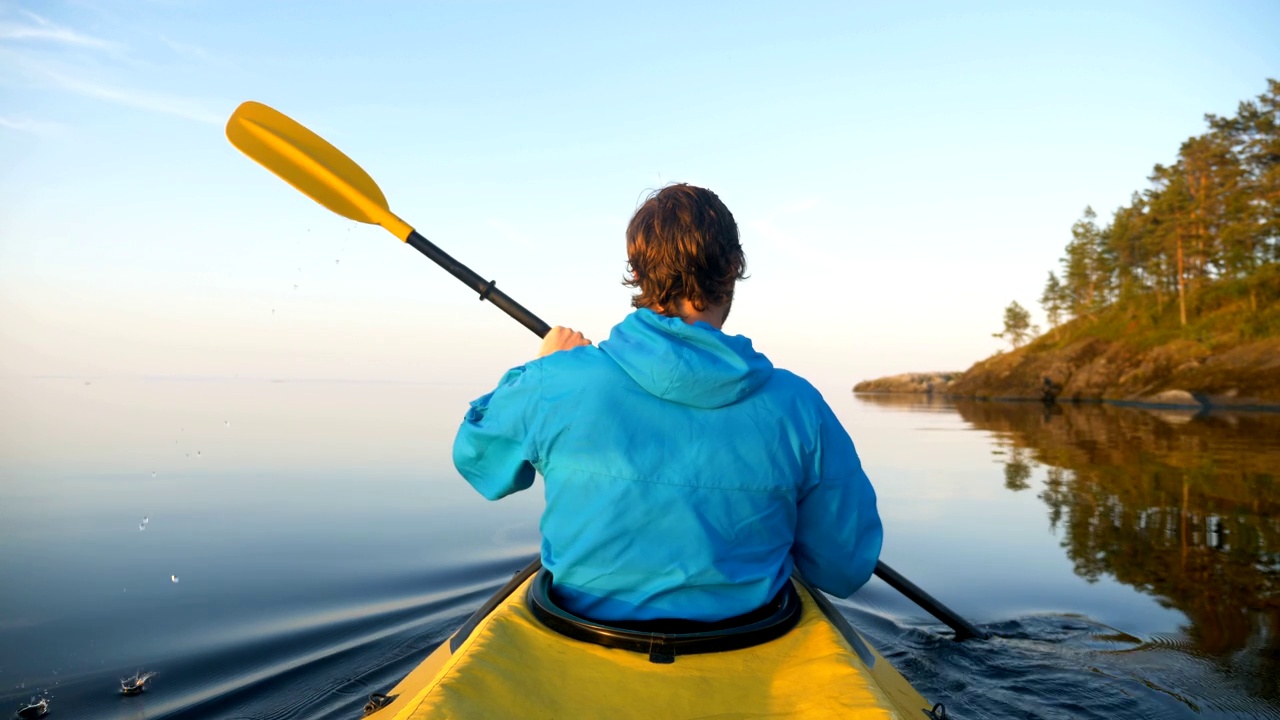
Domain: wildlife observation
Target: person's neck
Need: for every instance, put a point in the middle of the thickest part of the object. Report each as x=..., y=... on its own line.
x=713, y=315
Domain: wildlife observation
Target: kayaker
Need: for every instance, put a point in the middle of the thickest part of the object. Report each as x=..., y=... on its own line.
x=684, y=474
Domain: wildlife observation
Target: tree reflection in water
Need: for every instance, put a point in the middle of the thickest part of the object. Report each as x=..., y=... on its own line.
x=1180, y=506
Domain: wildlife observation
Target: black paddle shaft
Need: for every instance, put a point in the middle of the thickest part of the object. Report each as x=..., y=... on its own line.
x=486, y=288
x=963, y=628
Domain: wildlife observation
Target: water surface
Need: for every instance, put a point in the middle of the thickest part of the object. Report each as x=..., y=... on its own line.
x=1127, y=565
x=277, y=549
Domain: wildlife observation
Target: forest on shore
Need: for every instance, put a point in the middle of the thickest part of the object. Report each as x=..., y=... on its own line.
x=1175, y=299
x=1205, y=236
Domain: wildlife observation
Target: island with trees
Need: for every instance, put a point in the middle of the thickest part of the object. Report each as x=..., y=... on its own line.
x=1174, y=301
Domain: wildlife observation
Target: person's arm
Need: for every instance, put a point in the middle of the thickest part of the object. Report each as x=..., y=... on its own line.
x=838, y=530
x=494, y=449
x=561, y=338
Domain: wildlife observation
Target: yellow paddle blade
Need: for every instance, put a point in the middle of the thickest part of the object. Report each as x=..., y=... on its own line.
x=310, y=164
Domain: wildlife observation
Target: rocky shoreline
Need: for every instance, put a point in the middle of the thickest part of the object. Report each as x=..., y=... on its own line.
x=1180, y=374
x=935, y=382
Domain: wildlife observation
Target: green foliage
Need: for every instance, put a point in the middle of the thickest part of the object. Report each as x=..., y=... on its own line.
x=1017, y=325
x=1084, y=267
x=1054, y=300
x=1201, y=243
x=1225, y=313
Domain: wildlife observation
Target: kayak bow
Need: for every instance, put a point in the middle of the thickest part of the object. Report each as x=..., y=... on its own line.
x=504, y=662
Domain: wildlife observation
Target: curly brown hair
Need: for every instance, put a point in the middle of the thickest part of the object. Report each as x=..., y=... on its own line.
x=683, y=243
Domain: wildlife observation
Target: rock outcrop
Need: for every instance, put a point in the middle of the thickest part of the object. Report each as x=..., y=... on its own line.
x=935, y=382
x=1182, y=373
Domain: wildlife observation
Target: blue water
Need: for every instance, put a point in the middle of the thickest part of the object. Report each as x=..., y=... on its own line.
x=306, y=544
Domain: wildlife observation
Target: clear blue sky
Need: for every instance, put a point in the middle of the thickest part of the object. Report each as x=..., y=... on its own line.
x=899, y=171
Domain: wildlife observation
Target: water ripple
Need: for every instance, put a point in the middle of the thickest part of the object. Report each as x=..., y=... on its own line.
x=321, y=663
x=1062, y=667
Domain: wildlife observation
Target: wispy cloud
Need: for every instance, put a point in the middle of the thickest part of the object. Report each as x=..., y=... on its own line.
x=187, y=49
x=196, y=54
x=39, y=29
x=27, y=125
x=182, y=107
x=71, y=70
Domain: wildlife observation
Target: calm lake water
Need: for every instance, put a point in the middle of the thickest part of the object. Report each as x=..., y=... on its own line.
x=283, y=549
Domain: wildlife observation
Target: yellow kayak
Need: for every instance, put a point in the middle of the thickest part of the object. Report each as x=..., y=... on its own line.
x=799, y=658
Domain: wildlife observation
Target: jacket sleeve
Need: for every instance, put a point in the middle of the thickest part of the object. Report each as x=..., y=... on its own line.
x=494, y=449
x=838, y=531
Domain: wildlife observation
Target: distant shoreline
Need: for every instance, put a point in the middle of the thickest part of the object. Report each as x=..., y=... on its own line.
x=1180, y=374
x=1136, y=404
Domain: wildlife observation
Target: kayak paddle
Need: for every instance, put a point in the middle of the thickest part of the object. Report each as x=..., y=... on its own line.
x=324, y=174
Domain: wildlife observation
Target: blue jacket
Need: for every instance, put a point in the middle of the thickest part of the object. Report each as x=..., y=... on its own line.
x=684, y=474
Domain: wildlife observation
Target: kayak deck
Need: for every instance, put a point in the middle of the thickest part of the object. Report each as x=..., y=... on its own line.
x=511, y=665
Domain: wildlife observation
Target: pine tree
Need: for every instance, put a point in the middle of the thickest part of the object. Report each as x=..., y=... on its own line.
x=1082, y=266
x=1017, y=325
x=1053, y=300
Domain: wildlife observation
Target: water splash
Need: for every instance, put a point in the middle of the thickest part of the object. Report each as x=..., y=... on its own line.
x=34, y=709
x=137, y=684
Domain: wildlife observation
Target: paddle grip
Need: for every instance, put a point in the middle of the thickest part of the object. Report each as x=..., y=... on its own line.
x=486, y=288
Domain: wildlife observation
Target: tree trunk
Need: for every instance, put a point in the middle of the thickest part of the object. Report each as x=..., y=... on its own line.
x=1158, y=283
x=1182, y=295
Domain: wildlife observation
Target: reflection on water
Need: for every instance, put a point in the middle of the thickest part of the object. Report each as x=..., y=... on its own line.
x=1180, y=506
x=324, y=543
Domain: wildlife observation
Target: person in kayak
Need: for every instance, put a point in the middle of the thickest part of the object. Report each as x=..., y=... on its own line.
x=685, y=475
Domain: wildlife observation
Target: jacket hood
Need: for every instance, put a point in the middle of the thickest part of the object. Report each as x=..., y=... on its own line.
x=694, y=365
